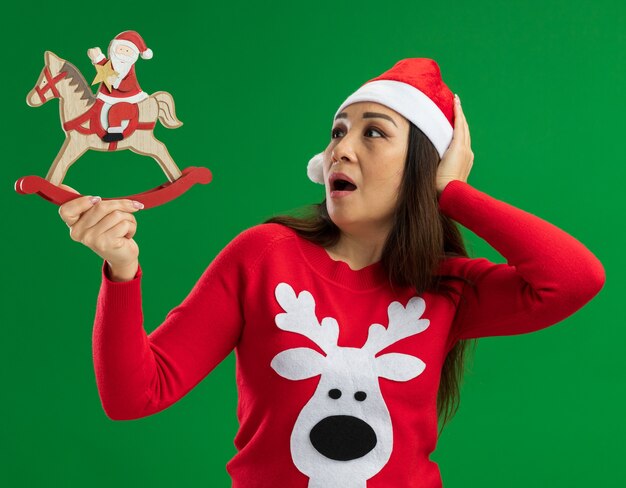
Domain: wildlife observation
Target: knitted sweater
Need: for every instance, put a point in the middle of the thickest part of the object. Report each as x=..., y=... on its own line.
x=337, y=373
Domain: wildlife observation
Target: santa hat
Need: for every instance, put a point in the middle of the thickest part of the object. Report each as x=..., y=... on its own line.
x=412, y=87
x=133, y=40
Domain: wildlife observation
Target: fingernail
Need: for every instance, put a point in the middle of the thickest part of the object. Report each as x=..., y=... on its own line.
x=94, y=200
x=137, y=204
x=457, y=99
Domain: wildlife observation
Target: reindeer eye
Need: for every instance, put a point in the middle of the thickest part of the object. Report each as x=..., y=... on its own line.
x=359, y=396
x=334, y=393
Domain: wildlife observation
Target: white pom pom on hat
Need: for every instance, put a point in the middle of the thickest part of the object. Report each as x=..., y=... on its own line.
x=315, y=168
x=413, y=87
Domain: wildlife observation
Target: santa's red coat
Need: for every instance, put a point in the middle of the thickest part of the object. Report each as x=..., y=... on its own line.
x=129, y=86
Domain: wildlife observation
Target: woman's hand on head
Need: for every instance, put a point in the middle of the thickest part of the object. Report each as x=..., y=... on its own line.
x=106, y=227
x=457, y=161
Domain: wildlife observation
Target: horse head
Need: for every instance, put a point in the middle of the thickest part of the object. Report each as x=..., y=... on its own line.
x=46, y=87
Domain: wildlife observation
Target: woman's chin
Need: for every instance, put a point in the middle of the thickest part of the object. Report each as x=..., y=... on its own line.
x=343, y=219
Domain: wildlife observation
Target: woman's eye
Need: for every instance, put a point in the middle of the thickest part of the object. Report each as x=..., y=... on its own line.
x=335, y=133
x=372, y=130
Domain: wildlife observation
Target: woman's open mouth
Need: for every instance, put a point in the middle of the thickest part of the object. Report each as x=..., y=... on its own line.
x=340, y=187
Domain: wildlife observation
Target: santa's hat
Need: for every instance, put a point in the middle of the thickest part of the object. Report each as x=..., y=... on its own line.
x=412, y=87
x=133, y=40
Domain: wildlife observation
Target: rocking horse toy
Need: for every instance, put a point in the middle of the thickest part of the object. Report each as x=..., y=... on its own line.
x=91, y=121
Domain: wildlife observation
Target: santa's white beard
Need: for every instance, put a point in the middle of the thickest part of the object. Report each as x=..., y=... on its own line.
x=122, y=64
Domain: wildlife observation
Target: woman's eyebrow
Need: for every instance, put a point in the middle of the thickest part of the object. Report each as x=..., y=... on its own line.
x=371, y=115
x=367, y=115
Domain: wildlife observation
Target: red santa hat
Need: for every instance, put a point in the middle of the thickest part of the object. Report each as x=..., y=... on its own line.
x=412, y=87
x=133, y=40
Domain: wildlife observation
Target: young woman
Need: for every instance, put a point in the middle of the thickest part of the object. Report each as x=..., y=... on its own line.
x=349, y=325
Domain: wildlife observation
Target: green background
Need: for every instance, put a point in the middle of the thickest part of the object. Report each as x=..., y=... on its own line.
x=256, y=85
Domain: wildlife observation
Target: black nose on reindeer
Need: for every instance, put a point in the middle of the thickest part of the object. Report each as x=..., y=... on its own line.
x=343, y=437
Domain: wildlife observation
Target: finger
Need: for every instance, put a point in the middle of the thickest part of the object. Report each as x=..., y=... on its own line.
x=459, y=126
x=120, y=208
x=112, y=236
x=71, y=211
x=467, y=131
x=103, y=208
x=110, y=221
x=465, y=128
x=132, y=230
x=115, y=237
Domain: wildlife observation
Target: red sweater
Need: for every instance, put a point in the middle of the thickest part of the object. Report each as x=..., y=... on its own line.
x=337, y=374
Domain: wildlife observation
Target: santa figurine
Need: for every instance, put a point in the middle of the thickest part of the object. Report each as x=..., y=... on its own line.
x=125, y=92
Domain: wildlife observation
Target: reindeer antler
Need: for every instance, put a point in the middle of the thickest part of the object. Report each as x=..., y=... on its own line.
x=403, y=322
x=300, y=317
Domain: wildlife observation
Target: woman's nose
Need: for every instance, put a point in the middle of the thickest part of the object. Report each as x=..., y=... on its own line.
x=343, y=150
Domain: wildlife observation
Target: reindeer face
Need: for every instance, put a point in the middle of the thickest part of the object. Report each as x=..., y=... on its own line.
x=345, y=428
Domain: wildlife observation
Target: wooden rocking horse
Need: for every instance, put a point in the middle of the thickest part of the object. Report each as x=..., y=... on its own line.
x=80, y=114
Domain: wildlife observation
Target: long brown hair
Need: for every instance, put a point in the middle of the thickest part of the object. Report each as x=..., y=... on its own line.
x=420, y=238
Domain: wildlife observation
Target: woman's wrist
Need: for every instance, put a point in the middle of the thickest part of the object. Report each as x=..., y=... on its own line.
x=441, y=185
x=123, y=273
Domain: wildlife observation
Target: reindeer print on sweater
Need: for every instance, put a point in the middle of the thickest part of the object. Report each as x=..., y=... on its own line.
x=343, y=436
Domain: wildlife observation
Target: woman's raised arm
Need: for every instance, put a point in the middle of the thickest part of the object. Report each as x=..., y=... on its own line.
x=548, y=276
x=139, y=374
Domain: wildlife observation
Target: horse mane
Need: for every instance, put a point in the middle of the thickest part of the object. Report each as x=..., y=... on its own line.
x=77, y=80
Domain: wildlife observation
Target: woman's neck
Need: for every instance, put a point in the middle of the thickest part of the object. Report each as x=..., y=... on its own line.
x=358, y=250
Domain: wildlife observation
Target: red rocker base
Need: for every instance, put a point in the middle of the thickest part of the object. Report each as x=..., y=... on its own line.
x=151, y=198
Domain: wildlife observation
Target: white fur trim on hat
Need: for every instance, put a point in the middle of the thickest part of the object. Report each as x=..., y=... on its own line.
x=409, y=102
x=147, y=54
x=412, y=104
x=315, y=169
